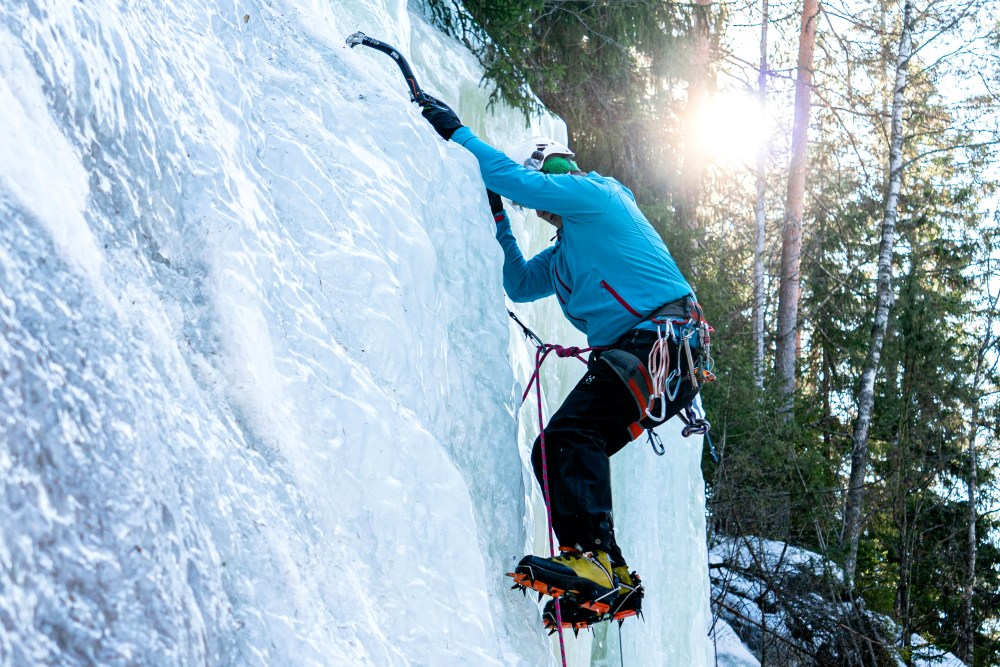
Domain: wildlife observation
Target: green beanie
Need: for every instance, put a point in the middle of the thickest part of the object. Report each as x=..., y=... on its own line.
x=558, y=164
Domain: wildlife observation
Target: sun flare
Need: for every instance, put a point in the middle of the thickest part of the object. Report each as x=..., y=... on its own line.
x=731, y=127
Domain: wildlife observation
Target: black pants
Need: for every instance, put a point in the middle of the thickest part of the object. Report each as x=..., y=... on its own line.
x=589, y=427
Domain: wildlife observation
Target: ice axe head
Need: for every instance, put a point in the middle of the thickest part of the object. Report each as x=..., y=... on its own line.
x=356, y=38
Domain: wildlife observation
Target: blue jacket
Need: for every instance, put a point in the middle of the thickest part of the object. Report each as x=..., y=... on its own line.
x=609, y=268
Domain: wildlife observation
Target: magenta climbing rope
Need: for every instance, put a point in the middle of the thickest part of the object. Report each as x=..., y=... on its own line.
x=542, y=351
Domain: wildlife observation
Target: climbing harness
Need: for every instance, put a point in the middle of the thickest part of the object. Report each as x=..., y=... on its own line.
x=665, y=387
x=699, y=362
x=653, y=385
x=681, y=322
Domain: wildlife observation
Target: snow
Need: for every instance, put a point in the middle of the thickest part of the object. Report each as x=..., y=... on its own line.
x=260, y=392
x=774, y=556
x=925, y=655
x=747, y=570
x=729, y=649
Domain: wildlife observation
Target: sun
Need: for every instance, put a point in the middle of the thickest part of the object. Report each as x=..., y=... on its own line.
x=730, y=127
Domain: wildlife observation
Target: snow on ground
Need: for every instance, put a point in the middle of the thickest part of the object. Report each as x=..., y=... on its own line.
x=259, y=389
x=746, y=574
x=730, y=650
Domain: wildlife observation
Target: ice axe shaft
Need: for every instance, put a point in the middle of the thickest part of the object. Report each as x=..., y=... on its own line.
x=416, y=95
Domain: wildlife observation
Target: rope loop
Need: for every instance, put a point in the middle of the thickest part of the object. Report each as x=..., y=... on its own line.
x=695, y=422
x=659, y=365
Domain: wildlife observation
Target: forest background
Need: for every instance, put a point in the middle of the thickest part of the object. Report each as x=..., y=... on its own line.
x=826, y=175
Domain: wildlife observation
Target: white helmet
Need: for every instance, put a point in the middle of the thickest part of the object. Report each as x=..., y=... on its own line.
x=533, y=152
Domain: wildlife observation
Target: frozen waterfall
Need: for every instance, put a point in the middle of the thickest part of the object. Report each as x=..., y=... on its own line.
x=259, y=395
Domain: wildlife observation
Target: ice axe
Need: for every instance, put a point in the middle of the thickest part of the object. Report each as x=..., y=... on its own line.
x=416, y=95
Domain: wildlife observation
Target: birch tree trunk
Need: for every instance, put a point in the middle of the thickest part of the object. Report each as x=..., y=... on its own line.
x=759, y=220
x=883, y=303
x=791, y=233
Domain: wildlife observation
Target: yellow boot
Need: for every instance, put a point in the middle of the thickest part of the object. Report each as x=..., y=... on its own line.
x=581, y=577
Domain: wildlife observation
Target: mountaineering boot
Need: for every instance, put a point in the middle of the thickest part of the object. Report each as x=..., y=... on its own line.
x=582, y=578
x=627, y=603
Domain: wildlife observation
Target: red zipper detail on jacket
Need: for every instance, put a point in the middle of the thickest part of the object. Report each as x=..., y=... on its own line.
x=565, y=286
x=564, y=304
x=620, y=300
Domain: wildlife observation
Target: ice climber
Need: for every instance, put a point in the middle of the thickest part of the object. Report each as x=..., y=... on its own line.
x=617, y=283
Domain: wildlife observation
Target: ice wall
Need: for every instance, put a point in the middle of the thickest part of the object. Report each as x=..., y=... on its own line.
x=258, y=390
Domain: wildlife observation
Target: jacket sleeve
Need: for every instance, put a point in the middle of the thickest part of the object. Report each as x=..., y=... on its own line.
x=564, y=194
x=523, y=280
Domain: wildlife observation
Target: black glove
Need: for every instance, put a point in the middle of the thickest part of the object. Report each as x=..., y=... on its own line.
x=496, y=204
x=440, y=115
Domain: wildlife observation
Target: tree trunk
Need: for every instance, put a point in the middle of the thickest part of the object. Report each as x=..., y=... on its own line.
x=967, y=622
x=758, y=246
x=903, y=586
x=905, y=523
x=791, y=233
x=967, y=627
x=883, y=303
x=698, y=89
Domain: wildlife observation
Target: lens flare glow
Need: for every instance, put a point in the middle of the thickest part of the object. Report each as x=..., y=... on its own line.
x=731, y=127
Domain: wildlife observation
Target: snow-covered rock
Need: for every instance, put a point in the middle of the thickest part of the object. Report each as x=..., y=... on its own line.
x=785, y=601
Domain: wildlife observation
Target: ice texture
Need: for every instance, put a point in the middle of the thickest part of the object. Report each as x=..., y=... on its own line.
x=259, y=393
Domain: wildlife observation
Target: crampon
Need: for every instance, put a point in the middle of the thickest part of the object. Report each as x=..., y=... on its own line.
x=549, y=577
x=626, y=604
x=573, y=597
